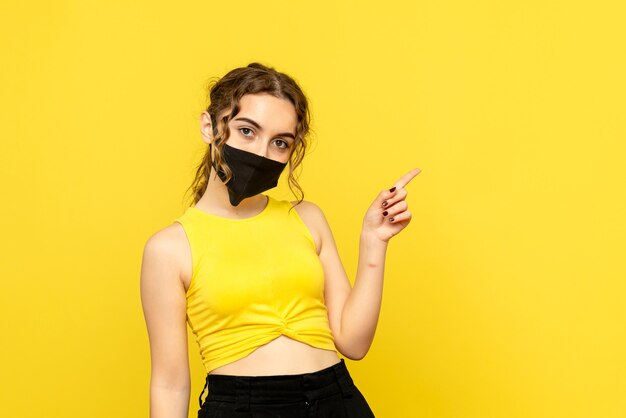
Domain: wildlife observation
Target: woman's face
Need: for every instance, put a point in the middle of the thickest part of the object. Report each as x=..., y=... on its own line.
x=265, y=125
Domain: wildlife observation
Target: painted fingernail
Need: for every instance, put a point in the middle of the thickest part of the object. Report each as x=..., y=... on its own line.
x=390, y=219
x=385, y=213
x=392, y=189
x=384, y=203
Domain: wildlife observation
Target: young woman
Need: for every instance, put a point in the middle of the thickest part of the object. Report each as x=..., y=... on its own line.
x=259, y=280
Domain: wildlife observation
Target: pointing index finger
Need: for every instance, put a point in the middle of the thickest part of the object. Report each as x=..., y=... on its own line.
x=404, y=180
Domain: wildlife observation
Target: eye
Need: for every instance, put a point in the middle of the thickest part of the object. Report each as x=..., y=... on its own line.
x=247, y=129
x=283, y=145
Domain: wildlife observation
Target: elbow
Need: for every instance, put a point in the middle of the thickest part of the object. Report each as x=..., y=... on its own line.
x=171, y=385
x=354, y=348
x=170, y=378
x=359, y=354
x=355, y=357
x=353, y=352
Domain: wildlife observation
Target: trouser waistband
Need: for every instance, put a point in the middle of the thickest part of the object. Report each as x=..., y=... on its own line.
x=278, y=388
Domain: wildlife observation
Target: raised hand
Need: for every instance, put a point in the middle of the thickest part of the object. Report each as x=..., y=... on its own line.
x=389, y=213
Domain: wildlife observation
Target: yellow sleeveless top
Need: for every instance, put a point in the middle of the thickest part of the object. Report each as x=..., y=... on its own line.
x=253, y=279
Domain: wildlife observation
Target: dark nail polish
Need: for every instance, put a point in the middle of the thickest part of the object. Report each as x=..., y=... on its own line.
x=384, y=203
x=392, y=189
x=390, y=219
x=385, y=213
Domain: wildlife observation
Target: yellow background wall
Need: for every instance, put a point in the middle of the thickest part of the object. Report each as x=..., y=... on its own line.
x=503, y=298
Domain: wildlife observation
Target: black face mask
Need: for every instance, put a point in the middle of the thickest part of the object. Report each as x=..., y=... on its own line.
x=252, y=173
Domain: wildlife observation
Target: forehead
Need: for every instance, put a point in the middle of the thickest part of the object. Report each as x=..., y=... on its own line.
x=268, y=111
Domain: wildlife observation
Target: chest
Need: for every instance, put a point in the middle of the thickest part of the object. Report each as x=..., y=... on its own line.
x=256, y=265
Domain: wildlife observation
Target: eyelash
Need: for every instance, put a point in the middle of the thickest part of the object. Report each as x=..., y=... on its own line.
x=285, y=142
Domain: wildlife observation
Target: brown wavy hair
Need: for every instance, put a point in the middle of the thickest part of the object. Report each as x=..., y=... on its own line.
x=224, y=93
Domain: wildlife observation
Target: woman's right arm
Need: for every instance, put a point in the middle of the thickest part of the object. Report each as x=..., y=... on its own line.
x=164, y=306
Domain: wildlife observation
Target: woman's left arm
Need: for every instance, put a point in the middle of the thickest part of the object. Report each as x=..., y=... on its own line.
x=353, y=312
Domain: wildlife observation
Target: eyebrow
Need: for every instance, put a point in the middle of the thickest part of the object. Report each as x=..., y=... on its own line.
x=251, y=122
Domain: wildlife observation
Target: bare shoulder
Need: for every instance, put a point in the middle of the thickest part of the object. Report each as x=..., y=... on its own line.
x=307, y=207
x=167, y=241
x=168, y=248
x=309, y=210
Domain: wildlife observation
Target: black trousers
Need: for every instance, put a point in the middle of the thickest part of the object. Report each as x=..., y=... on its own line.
x=329, y=392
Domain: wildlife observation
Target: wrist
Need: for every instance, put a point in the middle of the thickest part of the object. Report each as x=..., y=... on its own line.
x=372, y=239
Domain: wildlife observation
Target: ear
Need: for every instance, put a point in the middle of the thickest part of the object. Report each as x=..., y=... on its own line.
x=206, y=127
